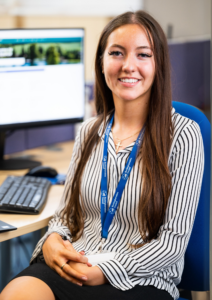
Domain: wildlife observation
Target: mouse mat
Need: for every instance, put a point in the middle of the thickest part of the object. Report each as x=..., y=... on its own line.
x=59, y=179
x=6, y=227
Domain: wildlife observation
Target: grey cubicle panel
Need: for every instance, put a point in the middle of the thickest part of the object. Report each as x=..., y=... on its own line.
x=21, y=140
x=190, y=70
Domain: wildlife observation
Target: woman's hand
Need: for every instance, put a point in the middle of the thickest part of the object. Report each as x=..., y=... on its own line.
x=94, y=275
x=56, y=252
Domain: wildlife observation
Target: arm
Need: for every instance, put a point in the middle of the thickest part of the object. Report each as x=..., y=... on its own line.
x=163, y=257
x=94, y=275
x=58, y=223
x=52, y=248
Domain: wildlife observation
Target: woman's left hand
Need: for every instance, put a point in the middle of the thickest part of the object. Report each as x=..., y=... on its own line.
x=94, y=274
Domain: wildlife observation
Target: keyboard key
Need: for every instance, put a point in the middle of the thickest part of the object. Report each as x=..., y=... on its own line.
x=9, y=195
x=28, y=198
x=3, y=189
x=35, y=200
x=23, y=196
x=16, y=196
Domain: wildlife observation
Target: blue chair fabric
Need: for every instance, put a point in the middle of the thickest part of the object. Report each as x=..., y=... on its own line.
x=196, y=270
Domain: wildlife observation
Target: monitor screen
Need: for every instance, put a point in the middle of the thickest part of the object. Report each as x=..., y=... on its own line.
x=41, y=77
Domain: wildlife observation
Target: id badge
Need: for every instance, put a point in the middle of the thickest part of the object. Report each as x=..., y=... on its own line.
x=97, y=258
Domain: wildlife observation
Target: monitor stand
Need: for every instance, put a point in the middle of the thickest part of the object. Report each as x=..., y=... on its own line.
x=14, y=163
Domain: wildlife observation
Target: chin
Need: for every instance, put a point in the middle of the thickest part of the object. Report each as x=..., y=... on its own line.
x=130, y=98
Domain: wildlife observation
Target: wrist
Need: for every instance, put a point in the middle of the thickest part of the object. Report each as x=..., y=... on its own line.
x=54, y=235
x=95, y=276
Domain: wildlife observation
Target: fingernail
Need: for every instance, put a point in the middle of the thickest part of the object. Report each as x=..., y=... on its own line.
x=84, y=278
x=80, y=284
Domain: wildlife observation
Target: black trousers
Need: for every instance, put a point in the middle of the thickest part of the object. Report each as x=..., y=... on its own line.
x=65, y=290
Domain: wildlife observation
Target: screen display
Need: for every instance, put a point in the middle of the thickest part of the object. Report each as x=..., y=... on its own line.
x=41, y=76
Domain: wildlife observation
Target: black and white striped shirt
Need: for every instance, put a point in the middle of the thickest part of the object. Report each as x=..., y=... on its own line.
x=160, y=262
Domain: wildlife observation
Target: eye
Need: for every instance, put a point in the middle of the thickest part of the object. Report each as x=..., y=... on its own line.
x=144, y=55
x=115, y=53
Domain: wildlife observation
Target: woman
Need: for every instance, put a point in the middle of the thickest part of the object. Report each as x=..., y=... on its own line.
x=133, y=183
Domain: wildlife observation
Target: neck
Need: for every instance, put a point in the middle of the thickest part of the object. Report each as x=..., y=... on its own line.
x=129, y=116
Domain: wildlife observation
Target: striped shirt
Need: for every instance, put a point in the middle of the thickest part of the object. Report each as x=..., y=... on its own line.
x=160, y=262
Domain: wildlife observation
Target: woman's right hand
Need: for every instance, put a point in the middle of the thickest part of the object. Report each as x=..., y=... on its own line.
x=56, y=252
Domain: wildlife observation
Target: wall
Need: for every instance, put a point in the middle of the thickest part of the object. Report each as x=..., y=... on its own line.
x=7, y=22
x=188, y=17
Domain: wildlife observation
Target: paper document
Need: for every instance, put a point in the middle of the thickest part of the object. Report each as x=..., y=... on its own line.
x=94, y=259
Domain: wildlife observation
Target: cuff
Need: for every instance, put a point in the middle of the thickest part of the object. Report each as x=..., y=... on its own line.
x=116, y=275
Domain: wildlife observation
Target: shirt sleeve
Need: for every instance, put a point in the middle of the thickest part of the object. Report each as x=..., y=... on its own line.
x=161, y=256
x=58, y=222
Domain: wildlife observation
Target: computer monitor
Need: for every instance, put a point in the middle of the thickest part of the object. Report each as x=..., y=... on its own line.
x=41, y=81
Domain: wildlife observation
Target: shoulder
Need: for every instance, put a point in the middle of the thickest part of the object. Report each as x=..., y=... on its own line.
x=86, y=126
x=186, y=132
x=84, y=129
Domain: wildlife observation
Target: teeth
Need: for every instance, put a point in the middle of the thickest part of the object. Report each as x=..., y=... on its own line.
x=129, y=80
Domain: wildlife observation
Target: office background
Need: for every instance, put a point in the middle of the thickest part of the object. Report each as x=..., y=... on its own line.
x=187, y=24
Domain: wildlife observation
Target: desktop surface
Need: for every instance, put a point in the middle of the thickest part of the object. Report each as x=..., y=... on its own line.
x=58, y=159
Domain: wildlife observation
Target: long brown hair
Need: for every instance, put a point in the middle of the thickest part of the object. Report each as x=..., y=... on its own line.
x=156, y=178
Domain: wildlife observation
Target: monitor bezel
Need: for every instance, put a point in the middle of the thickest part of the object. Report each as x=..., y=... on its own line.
x=55, y=122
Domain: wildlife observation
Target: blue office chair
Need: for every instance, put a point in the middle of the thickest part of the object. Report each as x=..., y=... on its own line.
x=196, y=271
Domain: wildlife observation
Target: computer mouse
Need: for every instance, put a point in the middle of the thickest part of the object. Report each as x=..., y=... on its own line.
x=42, y=171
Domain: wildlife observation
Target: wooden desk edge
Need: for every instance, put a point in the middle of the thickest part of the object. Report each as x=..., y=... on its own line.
x=4, y=236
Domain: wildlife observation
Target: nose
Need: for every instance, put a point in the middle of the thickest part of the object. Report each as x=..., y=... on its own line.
x=129, y=64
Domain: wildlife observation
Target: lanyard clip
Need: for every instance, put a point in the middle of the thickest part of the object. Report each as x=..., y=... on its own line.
x=103, y=240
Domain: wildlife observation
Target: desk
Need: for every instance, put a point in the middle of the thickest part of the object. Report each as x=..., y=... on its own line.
x=59, y=160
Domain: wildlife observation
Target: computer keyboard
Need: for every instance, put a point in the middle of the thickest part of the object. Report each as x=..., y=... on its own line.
x=23, y=194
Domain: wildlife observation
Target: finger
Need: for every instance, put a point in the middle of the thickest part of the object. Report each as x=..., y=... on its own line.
x=74, y=256
x=83, y=253
x=73, y=273
x=67, y=277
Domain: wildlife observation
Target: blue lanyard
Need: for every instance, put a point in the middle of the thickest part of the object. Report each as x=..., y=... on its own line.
x=107, y=216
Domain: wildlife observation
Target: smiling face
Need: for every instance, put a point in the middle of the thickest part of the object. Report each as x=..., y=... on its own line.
x=128, y=64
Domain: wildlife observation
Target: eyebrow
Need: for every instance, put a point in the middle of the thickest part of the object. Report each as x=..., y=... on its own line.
x=140, y=47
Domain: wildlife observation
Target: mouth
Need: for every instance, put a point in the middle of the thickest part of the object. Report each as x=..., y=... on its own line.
x=128, y=80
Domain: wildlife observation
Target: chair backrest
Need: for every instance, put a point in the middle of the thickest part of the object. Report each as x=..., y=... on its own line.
x=196, y=270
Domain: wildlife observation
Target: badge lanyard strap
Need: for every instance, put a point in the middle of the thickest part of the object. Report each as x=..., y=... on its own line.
x=107, y=216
